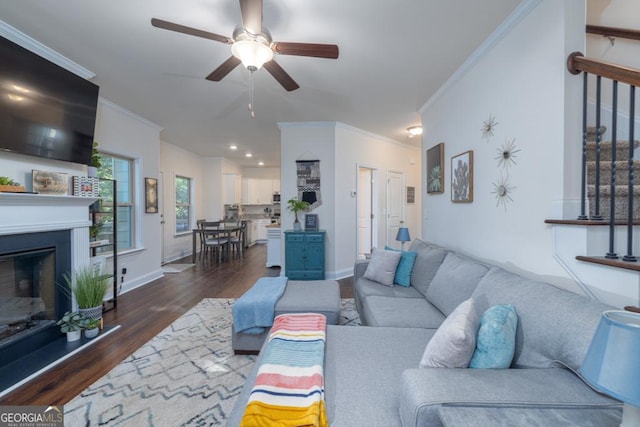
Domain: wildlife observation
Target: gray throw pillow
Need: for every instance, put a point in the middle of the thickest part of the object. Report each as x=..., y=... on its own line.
x=454, y=342
x=382, y=266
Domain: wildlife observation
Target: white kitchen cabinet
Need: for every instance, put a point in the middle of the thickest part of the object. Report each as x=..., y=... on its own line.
x=262, y=229
x=275, y=185
x=257, y=191
x=232, y=189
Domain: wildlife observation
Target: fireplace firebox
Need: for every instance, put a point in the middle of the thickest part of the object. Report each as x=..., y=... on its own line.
x=32, y=297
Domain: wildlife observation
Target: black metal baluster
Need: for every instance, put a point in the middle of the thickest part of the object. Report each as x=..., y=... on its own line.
x=597, y=216
x=583, y=195
x=632, y=119
x=612, y=202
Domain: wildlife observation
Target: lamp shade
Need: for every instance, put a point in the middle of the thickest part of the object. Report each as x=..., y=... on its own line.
x=612, y=362
x=252, y=53
x=403, y=235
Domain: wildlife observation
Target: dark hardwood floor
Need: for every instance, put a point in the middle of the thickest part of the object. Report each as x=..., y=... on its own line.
x=142, y=313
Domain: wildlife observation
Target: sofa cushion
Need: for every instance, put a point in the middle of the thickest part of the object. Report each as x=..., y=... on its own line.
x=496, y=340
x=405, y=266
x=454, y=282
x=428, y=260
x=401, y=312
x=455, y=340
x=554, y=325
x=363, y=288
x=382, y=266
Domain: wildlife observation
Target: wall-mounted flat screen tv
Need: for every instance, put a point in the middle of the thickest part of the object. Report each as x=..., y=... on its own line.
x=45, y=110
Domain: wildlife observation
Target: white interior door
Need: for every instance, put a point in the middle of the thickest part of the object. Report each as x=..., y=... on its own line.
x=365, y=211
x=161, y=207
x=395, y=212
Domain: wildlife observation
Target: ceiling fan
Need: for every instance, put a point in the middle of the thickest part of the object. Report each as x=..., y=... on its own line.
x=252, y=45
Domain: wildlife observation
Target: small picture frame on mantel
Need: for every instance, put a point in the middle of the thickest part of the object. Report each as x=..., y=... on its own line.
x=311, y=222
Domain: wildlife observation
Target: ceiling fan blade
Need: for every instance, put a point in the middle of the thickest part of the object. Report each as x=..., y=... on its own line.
x=330, y=51
x=281, y=75
x=251, y=15
x=171, y=26
x=225, y=68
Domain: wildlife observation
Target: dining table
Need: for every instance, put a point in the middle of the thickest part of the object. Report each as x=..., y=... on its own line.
x=222, y=231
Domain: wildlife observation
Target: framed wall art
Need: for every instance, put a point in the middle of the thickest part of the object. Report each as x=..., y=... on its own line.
x=462, y=177
x=85, y=186
x=150, y=195
x=411, y=195
x=435, y=169
x=50, y=182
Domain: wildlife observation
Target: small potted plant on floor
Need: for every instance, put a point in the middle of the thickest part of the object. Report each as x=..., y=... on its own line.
x=91, y=328
x=295, y=206
x=88, y=286
x=71, y=324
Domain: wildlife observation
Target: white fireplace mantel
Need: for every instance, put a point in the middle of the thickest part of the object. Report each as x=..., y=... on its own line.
x=30, y=213
x=33, y=213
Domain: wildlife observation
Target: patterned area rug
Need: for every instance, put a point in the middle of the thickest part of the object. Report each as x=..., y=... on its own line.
x=187, y=375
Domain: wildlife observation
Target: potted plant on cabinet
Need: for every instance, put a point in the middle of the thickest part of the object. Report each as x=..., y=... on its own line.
x=71, y=324
x=88, y=286
x=295, y=206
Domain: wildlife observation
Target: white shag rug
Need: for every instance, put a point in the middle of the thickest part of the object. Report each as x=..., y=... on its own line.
x=187, y=375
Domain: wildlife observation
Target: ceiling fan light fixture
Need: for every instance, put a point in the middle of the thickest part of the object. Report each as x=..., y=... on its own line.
x=414, y=131
x=253, y=53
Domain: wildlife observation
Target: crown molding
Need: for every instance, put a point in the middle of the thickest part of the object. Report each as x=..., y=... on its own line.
x=29, y=43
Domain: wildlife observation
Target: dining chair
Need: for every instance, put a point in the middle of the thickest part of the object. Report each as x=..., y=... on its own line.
x=201, y=237
x=237, y=239
x=213, y=243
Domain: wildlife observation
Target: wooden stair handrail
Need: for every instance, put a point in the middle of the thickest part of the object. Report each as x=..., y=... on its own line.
x=625, y=33
x=578, y=63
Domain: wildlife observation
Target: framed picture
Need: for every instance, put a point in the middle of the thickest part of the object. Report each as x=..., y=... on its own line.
x=435, y=169
x=462, y=177
x=411, y=195
x=311, y=222
x=50, y=182
x=85, y=186
x=150, y=195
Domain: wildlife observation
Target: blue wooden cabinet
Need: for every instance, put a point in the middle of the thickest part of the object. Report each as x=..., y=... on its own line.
x=304, y=255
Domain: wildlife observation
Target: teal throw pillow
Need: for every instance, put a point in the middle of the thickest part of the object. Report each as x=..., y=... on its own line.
x=496, y=340
x=405, y=266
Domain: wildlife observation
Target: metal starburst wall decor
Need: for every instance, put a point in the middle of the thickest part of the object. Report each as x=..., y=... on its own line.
x=507, y=154
x=503, y=190
x=488, y=126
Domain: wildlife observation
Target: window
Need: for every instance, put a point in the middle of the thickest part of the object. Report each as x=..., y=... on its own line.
x=183, y=204
x=121, y=170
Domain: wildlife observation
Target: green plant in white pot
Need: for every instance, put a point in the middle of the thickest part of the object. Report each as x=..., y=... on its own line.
x=295, y=206
x=71, y=324
x=88, y=287
x=92, y=328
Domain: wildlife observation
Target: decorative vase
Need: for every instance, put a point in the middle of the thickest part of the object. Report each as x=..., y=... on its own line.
x=297, y=226
x=91, y=333
x=92, y=312
x=73, y=336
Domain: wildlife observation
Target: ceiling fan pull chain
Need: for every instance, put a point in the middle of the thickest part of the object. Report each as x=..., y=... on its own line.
x=251, y=110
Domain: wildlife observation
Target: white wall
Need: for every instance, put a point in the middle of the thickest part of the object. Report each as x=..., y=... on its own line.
x=174, y=162
x=340, y=149
x=261, y=173
x=521, y=81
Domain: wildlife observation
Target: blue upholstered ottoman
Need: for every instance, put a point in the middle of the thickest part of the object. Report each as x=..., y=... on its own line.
x=300, y=296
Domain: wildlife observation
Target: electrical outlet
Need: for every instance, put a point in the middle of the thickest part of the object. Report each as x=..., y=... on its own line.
x=124, y=270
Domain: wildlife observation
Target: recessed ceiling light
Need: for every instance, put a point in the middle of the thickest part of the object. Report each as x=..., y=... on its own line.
x=233, y=147
x=248, y=155
x=260, y=163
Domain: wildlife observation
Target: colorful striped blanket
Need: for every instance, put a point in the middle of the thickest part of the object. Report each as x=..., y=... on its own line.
x=289, y=387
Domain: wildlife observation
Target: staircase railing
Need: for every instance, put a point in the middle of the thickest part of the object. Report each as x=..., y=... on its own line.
x=577, y=63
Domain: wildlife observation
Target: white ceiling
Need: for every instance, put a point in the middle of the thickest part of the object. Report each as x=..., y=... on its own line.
x=394, y=55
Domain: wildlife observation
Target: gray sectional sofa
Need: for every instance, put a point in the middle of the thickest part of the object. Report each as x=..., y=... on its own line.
x=372, y=376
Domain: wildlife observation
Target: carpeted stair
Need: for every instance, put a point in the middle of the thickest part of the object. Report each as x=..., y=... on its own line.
x=622, y=177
